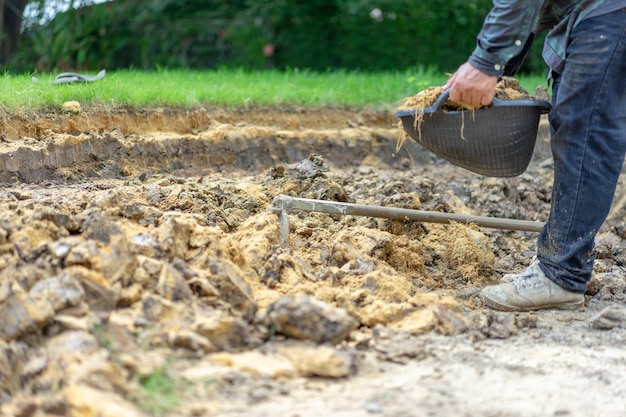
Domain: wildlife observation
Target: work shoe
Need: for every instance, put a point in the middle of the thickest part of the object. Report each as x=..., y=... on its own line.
x=511, y=277
x=528, y=291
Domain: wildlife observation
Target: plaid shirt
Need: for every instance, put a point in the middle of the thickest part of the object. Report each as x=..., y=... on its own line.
x=510, y=23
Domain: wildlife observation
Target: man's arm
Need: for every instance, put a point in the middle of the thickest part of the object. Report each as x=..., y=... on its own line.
x=505, y=31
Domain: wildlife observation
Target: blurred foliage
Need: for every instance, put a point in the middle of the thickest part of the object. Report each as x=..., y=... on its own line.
x=371, y=35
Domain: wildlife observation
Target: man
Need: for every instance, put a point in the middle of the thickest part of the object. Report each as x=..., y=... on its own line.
x=586, y=52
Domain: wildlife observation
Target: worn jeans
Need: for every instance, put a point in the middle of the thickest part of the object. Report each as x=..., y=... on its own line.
x=588, y=129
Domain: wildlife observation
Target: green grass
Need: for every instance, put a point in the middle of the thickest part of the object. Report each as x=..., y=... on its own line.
x=230, y=88
x=158, y=393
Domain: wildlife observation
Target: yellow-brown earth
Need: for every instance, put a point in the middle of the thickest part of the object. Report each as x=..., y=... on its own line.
x=142, y=273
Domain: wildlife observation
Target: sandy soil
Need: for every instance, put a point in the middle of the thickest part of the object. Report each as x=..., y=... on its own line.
x=143, y=273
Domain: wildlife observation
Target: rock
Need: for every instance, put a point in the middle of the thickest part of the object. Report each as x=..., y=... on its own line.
x=71, y=106
x=32, y=241
x=380, y=312
x=144, y=363
x=449, y=322
x=117, y=262
x=69, y=345
x=416, y=322
x=68, y=222
x=64, y=351
x=321, y=188
x=4, y=234
x=593, y=286
x=108, y=199
x=172, y=284
x=613, y=288
x=307, y=318
x=147, y=272
x=99, y=226
x=396, y=346
x=175, y=234
x=84, y=401
x=98, y=293
x=526, y=320
x=606, y=245
x=97, y=371
x=145, y=244
x=20, y=407
x=224, y=331
x=129, y=295
x=609, y=318
x=323, y=361
x=232, y=287
x=201, y=285
x=308, y=168
x=255, y=239
x=496, y=325
x=60, y=292
x=59, y=249
x=13, y=355
x=22, y=314
x=36, y=363
x=256, y=363
x=159, y=309
x=84, y=253
x=116, y=335
x=189, y=340
x=69, y=322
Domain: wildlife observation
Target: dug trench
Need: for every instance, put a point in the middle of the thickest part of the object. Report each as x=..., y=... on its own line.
x=141, y=273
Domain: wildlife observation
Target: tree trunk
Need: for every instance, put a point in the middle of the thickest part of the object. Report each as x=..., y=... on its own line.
x=11, y=12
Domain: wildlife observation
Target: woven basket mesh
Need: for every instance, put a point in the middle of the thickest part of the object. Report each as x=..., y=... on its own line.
x=497, y=141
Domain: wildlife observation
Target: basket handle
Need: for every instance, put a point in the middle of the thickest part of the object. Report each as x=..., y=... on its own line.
x=446, y=94
x=496, y=102
x=442, y=99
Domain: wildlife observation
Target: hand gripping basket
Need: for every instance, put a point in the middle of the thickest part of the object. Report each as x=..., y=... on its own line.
x=497, y=141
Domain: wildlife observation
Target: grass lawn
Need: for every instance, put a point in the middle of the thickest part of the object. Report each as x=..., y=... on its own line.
x=230, y=88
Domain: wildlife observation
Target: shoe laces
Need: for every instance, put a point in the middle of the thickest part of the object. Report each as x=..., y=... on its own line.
x=528, y=279
x=510, y=277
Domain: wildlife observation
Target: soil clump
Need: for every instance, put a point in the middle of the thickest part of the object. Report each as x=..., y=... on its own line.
x=141, y=273
x=507, y=88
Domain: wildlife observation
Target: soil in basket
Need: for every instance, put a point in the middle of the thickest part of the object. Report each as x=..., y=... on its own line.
x=508, y=88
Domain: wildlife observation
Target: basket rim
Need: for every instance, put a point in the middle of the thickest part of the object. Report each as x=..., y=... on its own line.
x=543, y=106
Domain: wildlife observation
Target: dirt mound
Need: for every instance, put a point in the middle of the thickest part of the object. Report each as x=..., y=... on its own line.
x=160, y=288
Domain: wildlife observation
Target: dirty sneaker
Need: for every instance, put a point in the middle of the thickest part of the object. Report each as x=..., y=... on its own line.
x=529, y=291
x=510, y=277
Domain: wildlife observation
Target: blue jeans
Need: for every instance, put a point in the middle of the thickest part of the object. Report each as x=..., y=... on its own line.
x=588, y=129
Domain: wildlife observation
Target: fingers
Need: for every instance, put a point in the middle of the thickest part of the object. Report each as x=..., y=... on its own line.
x=450, y=81
x=471, y=87
x=471, y=97
x=486, y=99
x=451, y=84
x=455, y=95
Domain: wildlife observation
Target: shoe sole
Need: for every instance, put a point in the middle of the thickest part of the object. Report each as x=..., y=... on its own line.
x=561, y=306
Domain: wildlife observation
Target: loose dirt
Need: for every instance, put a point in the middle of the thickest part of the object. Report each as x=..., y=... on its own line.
x=142, y=273
x=507, y=88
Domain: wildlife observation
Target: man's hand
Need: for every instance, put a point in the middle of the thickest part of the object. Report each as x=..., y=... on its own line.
x=471, y=86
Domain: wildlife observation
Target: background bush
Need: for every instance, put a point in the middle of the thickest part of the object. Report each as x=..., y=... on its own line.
x=368, y=35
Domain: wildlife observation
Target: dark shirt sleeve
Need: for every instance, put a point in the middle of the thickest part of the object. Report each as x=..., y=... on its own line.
x=505, y=31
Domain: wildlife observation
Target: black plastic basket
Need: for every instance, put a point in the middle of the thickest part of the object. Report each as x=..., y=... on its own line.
x=497, y=141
